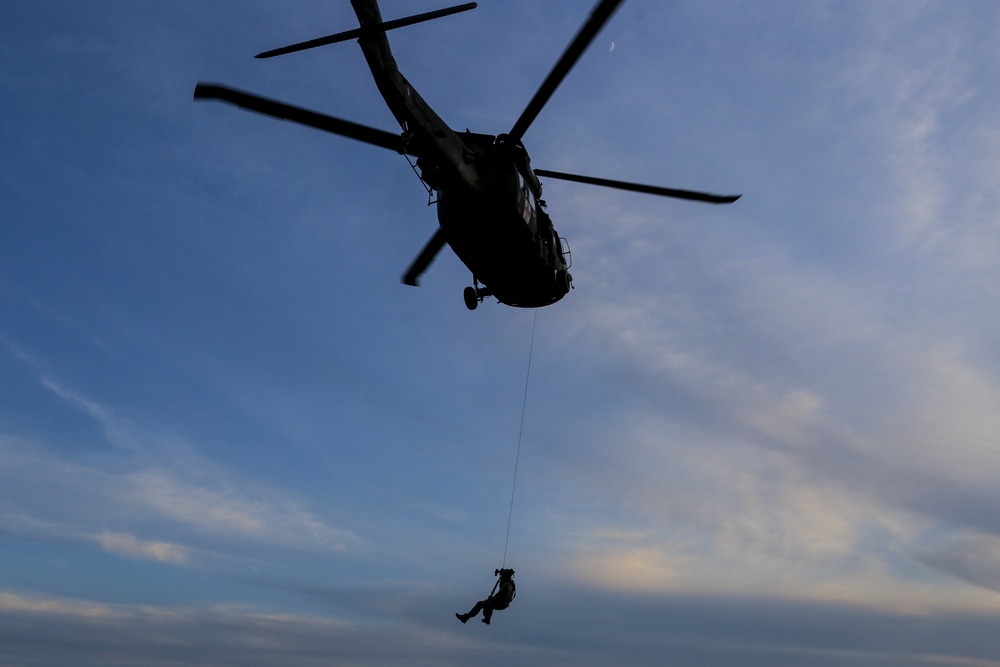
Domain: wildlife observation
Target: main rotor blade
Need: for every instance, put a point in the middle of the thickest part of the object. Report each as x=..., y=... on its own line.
x=369, y=135
x=636, y=187
x=602, y=12
x=351, y=34
x=424, y=259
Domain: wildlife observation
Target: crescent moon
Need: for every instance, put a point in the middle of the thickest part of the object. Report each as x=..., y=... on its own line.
x=612, y=47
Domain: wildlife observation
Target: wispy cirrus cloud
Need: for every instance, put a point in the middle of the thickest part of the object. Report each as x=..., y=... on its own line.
x=789, y=434
x=129, y=545
x=159, y=486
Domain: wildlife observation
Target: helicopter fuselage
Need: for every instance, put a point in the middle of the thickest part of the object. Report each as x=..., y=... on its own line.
x=489, y=202
x=498, y=227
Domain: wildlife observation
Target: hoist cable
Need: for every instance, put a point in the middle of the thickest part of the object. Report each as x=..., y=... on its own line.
x=520, y=432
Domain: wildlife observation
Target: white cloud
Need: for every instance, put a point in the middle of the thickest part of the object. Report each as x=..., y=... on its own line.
x=52, y=630
x=229, y=507
x=129, y=545
x=161, y=485
x=927, y=115
x=782, y=482
x=945, y=421
x=811, y=545
x=47, y=605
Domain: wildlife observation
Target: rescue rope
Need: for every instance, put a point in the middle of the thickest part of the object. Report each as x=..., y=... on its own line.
x=520, y=432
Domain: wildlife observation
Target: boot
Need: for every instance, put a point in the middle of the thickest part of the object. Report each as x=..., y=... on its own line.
x=462, y=617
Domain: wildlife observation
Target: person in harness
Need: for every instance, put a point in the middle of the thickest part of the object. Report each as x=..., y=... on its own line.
x=501, y=597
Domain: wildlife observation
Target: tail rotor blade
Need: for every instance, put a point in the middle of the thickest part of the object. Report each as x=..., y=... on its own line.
x=692, y=195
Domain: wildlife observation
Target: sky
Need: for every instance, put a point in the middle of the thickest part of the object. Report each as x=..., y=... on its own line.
x=762, y=434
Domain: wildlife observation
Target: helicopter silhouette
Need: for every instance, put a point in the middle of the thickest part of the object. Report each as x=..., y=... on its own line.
x=489, y=199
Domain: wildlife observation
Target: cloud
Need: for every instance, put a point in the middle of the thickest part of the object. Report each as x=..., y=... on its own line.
x=773, y=556
x=158, y=484
x=129, y=545
x=913, y=89
x=12, y=602
x=49, y=630
x=787, y=418
x=969, y=555
x=735, y=476
x=119, y=432
x=548, y=625
x=678, y=510
x=634, y=569
x=950, y=423
x=231, y=507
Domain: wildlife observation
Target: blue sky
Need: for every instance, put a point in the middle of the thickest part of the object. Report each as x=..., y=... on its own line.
x=762, y=434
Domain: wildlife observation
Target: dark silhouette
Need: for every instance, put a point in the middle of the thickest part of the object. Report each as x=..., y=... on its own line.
x=503, y=594
x=489, y=199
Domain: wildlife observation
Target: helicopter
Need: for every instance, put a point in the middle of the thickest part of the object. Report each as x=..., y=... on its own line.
x=489, y=199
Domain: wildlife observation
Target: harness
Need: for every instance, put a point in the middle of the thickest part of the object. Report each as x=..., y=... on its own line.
x=507, y=593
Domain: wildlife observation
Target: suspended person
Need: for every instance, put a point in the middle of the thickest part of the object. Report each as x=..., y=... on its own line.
x=501, y=597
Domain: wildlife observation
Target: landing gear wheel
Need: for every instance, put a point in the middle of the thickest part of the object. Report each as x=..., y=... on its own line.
x=471, y=298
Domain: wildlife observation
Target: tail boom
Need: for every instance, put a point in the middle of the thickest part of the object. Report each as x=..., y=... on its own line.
x=429, y=135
